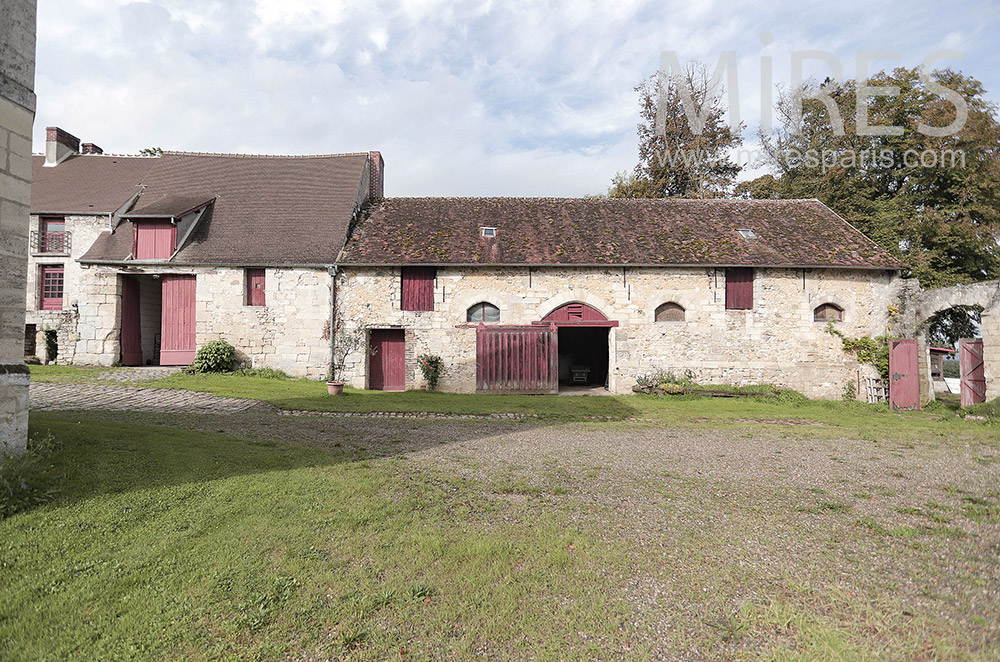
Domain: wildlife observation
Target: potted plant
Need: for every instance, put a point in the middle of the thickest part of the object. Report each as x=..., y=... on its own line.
x=345, y=343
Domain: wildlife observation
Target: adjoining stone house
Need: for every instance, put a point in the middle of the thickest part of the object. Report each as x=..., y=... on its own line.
x=17, y=114
x=536, y=295
x=144, y=259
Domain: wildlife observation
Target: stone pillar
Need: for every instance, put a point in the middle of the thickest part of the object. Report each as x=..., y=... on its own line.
x=990, y=320
x=17, y=114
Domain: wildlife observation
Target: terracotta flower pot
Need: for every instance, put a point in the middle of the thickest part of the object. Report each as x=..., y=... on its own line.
x=335, y=388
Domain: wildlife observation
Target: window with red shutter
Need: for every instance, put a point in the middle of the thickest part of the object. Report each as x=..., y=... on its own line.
x=739, y=288
x=417, y=284
x=255, y=287
x=154, y=239
x=52, y=287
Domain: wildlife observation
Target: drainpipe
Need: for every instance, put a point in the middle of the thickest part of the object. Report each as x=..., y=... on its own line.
x=332, y=270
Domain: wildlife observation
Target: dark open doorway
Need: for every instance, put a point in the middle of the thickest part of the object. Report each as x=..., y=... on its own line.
x=583, y=356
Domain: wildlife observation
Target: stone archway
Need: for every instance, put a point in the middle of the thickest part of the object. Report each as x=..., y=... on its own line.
x=920, y=305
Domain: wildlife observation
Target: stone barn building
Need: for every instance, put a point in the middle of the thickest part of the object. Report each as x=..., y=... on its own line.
x=141, y=260
x=541, y=295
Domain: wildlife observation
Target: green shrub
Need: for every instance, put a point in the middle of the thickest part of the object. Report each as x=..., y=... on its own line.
x=262, y=373
x=433, y=367
x=215, y=356
x=27, y=480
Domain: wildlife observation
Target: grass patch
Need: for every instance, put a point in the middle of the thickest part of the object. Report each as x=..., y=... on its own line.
x=65, y=374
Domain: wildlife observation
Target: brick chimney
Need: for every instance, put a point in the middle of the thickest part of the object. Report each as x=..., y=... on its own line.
x=90, y=148
x=376, y=176
x=59, y=145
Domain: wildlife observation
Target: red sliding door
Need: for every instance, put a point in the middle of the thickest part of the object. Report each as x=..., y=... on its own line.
x=177, y=339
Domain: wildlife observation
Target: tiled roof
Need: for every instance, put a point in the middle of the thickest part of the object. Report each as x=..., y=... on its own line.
x=87, y=183
x=554, y=231
x=267, y=210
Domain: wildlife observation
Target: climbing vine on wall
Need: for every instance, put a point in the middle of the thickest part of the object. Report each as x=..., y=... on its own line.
x=873, y=351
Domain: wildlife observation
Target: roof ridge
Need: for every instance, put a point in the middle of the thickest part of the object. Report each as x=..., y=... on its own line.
x=595, y=199
x=264, y=156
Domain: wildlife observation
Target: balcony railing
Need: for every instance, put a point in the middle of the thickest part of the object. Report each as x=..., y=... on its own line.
x=51, y=242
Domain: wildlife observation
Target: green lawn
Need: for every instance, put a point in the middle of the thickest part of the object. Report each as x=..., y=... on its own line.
x=65, y=374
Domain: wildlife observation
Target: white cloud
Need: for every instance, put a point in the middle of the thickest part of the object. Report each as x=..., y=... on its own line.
x=513, y=98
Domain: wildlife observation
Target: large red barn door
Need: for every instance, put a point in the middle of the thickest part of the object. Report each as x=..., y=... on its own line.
x=131, y=328
x=904, y=375
x=387, y=360
x=177, y=344
x=972, y=372
x=522, y=359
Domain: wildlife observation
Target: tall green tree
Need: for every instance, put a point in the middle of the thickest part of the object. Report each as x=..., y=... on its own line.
x=675, y=158
x=934, y=201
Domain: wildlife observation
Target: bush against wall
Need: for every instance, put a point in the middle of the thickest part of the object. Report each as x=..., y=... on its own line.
x=433, y=367
x=215, y=356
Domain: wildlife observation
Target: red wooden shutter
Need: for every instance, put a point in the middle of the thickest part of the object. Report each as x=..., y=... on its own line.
x=417, y=288
x=154, y=239
x=52, y=288
x=255, y=287
x=131, y=323
x=739, y=288
x=177, y=346
x=522, y=359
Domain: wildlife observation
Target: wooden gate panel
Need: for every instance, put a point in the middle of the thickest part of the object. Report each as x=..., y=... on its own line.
x=131, y=326
x=387, y=360
x=972, y=372
x=523, y=359
x=177, y=327
x=904, y=375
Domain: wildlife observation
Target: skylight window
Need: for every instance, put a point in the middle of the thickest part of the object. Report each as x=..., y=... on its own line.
x=747, y=233
x=488, y=232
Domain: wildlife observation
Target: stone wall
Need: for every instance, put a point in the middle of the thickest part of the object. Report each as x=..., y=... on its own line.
x=17, y=114
x=776, y=342
x=289, y=333
x=83, y=230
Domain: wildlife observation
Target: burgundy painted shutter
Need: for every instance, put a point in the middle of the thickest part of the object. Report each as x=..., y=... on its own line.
x=739, y=288
x=52, y=288
x=972, y=371
x=417, y=288
x=255, y=287
x=154, y=240
x=177, y=340
x=904, y=375
x=387, y=360
x=131, y=326
x=522, y=359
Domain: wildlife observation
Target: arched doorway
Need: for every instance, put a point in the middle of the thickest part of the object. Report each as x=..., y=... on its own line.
x=584, y=345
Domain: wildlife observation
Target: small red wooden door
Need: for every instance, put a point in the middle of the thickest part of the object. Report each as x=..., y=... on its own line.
x=387, y=360
x=131, y=327
x=177, y=332
x=972, y=372
x=904, y=375
x=521, y=359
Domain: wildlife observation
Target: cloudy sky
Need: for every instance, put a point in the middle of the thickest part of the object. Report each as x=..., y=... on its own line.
x=471, y=98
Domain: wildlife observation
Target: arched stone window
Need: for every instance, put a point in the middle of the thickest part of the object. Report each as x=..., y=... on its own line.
x=482, y=312
x=670, y=312
x=828, y=312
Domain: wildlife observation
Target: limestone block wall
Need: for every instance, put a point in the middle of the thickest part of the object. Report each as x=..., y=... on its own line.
x=17, y=114
x=776, y=342
x=289, y=333
x=84, y=231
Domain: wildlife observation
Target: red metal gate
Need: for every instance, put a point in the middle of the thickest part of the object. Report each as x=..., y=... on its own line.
x=904, y=375
x=131, y=327
x=519, y=359
x=387, y=360
x=177, y=346
x=972, y=371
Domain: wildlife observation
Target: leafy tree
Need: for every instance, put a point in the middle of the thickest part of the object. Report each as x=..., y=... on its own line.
x=680, y=161
x=933, y=201
x=151, y=151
